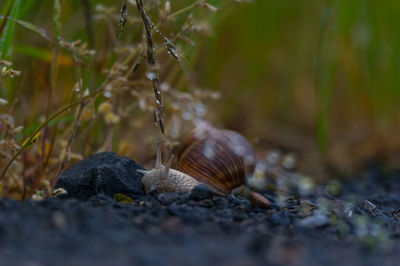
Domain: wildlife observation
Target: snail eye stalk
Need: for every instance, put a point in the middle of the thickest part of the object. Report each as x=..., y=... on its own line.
x=158, y=158
x=167, y=167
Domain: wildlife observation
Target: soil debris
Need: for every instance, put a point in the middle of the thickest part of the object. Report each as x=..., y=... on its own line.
x=200, y=228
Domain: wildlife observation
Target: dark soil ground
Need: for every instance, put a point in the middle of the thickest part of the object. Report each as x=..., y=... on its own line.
x=340, y=223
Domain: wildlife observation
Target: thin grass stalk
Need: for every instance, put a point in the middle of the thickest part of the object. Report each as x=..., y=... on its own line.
x=88, y=21
x=322, y=115
x=151, y=60
x=185, y=9
x=53, y=78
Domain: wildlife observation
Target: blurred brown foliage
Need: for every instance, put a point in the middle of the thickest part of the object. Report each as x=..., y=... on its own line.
x=317, y=79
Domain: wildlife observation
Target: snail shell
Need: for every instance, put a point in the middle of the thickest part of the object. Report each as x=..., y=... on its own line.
x=219, y=158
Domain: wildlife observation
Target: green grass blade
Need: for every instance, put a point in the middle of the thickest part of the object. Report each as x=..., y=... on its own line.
x=7, y=6
x=26, y=7
x=57, y=18
x=6, y=12
x=6, y=39
x=34, y=52
x=29, y=26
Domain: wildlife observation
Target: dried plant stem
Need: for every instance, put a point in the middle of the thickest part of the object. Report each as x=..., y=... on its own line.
x=75, y=124
x=53, y=69
x=88, y=21
x=185, y=9
x=131, y=56
x=48, y=154
x=74, y=130
x=129, y=59
x=17, y=94
x=151, y=60
x=45, y=123
x=53, y=78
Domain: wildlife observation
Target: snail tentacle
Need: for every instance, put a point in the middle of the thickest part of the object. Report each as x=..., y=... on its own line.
x=158, y=158
x=167, y=167
x=144, y=172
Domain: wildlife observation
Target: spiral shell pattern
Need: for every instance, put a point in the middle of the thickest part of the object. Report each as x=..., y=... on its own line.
x=218, y=158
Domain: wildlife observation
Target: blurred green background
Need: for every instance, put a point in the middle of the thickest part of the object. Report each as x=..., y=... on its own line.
x=319, y=78
x=311, y=75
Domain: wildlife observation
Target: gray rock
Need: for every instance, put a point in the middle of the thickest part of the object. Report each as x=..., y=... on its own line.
x=201, y=192
x=105, y=173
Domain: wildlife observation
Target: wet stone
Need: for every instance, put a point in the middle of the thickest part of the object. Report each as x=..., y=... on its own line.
x=368, y=206
x=201, y=192
x=102, y=173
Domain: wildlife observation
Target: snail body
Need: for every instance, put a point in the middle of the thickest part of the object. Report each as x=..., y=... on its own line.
x=165, y=179
x=218, y=158
x=175, y=181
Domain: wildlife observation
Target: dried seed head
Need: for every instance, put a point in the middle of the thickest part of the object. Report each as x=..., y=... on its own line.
x=111, y=118
x=86, y=115
x=104, y=108
x=167, y=7
x=210, y=7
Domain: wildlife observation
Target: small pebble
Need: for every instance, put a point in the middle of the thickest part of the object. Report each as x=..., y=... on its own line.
x=315, y=221
x=167, y=198
x=367, y=205
x=258, y=200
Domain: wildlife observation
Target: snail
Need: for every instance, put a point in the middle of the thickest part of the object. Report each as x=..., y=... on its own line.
x=220, y=159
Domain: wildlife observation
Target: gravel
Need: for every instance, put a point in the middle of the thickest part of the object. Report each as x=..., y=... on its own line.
x=199, y=228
